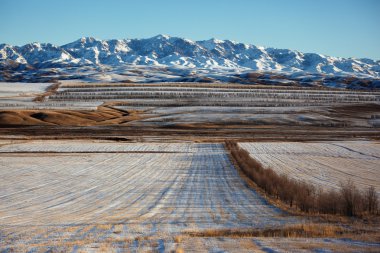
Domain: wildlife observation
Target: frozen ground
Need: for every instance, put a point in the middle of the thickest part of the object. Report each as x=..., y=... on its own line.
x=22, y=96
x=324, y=164
x=71, y=200
x=81, y=146
x=22, y=89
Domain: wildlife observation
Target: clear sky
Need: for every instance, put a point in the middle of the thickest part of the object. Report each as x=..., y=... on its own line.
x=345, y=28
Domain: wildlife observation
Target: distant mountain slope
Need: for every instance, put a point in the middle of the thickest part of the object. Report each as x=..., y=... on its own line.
x=164, y=51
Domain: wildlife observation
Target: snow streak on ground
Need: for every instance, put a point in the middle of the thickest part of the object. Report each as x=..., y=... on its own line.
x=324, y=164
x=74, y=201
x=91, y=147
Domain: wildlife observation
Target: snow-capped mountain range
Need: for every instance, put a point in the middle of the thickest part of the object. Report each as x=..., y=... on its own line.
x=164, y=51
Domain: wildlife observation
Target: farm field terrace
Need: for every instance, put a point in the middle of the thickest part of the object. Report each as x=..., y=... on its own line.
x=189, y=111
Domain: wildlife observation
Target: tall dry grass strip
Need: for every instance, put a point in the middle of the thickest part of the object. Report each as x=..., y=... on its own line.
x=348, y=201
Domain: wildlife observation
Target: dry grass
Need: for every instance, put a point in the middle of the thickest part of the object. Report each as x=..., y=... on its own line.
x=105, y=226
x=349, y=201
x=299, y=230
x=178, y=238
x=104, y=115
x=106, y=247
x=118, y=228
x=179, y=250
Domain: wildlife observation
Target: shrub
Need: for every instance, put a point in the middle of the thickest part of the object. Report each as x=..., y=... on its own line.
x=371, y=202
x=351, y=199
x=347, y=201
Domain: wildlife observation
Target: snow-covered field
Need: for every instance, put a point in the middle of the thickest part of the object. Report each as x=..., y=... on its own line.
x=246, y=95
x=94, y=195
x=181, y=103
x=79, y=96
x=324, y=164
x=116, y=193
x=91, y=147
x=22, y=89
x=22, y=96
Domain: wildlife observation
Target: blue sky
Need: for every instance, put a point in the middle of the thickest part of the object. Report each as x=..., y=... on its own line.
x=346, y=28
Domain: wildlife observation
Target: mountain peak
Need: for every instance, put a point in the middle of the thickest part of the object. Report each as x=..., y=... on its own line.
x=174, y=51
x=161, y=37
x=87, y=39
x=216, y=41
